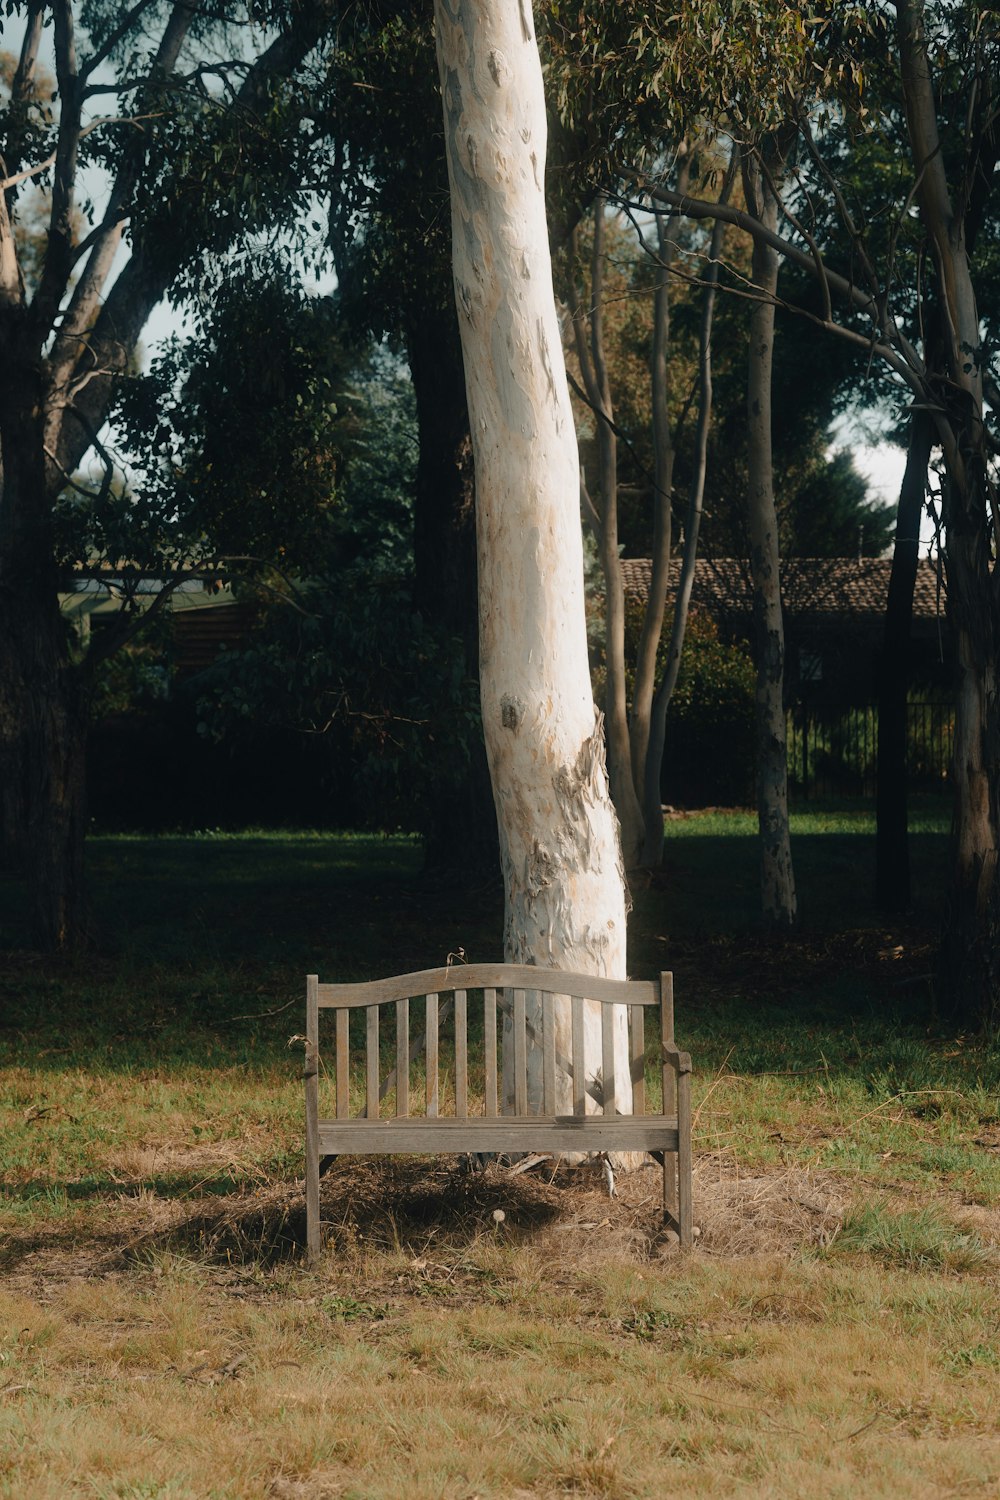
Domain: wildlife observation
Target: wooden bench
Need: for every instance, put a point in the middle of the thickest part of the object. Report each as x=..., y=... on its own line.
x=463, y=1114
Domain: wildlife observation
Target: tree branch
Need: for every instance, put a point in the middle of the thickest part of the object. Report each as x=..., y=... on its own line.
x=119, y=34
x=43, y=166
x=59, y=247
x=151, y=270
x=106, y=239
x=903, y=359
x=126, y=628
x=22, y=86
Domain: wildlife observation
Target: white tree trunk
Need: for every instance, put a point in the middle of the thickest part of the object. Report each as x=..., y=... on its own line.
x=560, y=848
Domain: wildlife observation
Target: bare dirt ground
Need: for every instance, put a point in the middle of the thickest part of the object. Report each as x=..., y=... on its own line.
x=424, y=1206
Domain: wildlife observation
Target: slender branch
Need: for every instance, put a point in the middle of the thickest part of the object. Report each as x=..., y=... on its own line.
x=904, y=359
x=89, y=289
x=50, y=161
x=663, y=459
x=589, y=508
x=126, y=628
x=81, y=489
x=119, y=34
x=846, y=217
x=810, y=239
x=59, y=246
x=652, y=853
x=583, y=351
x=22, y=86
x=602, y=416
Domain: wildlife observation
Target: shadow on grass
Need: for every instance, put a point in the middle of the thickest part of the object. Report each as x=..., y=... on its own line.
x=103, y=1189
x=387, y=1205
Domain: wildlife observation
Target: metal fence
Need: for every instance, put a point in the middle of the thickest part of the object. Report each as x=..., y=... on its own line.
x=832, y=748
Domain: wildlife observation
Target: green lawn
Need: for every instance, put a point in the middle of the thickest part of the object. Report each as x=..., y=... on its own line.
x=834, y=1330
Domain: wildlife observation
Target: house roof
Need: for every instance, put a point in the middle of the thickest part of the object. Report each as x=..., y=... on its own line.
x=812, y=587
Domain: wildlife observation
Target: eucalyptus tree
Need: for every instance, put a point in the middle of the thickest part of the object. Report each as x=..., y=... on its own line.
x=170, y=139
x=651, y=76
x=636, y=729
x=560, y=849
x=941, y=61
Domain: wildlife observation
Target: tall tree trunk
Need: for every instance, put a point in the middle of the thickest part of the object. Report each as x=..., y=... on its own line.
x=560, y=850
x=777, y=883
x=971, y=947
x=641, y=725
x=892, y=853
x=461, y=835
x=652, y=853
x=42, y=707
x=593, y=367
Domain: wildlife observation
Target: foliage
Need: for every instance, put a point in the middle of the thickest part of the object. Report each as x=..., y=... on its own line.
x=716, y=679
x=364, y=668
x=821, y=499
x=631, y=78
x=389, y=224
x=234, y=427
x=351, y=658
x=135, y=678
x=228, y=441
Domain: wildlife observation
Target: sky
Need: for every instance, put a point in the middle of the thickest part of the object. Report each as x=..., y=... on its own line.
x=882, y=464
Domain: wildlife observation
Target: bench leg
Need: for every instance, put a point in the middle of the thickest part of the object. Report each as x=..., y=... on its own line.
x=685, y=1186
x=312, y=1166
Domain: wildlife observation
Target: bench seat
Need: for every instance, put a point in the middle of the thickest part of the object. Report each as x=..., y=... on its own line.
x=504, y=1134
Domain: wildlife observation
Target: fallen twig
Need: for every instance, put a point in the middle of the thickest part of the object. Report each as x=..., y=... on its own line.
x=260, y=1015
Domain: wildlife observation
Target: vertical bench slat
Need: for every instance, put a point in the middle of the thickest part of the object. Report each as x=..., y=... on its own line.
x=343, y=1065
x=310, y=1073
x=490, y=1052
x=431, y=1054
x=608, y=1058
x=402, y=1059
x=669, y=1087
x=638, y=1056
x=579, y=1076
x=461, y=1057
x=549, y=1055
x=371, y=1064
x=520, y=1055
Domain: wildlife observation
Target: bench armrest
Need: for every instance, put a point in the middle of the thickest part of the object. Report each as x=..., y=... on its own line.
x=679, y=1061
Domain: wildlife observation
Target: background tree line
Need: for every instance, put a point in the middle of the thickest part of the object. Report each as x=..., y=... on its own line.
x=756, y=216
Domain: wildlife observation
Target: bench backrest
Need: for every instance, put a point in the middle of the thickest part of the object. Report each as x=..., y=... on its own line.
x=546, y=1011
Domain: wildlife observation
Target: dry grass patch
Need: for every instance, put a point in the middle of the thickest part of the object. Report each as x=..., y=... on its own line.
x=437, y=1352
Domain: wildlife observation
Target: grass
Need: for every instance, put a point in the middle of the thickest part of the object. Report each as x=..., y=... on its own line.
x=836, y=1329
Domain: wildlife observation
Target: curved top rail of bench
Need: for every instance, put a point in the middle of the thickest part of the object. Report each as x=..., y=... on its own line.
x=489, y=976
